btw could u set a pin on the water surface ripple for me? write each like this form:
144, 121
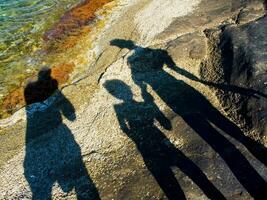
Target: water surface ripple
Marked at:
22, 24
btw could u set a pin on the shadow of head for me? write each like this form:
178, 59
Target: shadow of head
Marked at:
41, 89
44, 74
119, 90
128, 44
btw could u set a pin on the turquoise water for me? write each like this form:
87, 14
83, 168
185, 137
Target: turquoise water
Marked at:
22, 24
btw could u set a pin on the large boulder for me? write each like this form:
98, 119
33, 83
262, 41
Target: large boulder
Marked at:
238, 61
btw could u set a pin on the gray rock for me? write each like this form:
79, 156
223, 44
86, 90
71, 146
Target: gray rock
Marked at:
146, 126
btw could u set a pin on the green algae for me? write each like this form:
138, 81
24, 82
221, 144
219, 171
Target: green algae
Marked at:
22, 25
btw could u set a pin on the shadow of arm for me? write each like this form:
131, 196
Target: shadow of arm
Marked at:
160, 117
163, 120
236, 89
225, 87
67, 108
122, 122
171, 64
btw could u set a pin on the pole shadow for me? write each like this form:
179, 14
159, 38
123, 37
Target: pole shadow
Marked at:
136, 119
52, 154
146, 66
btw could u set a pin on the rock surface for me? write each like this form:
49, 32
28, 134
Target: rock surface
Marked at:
242, 52
151, 117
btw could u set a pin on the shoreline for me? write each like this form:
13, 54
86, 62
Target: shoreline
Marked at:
65, 35
85, 76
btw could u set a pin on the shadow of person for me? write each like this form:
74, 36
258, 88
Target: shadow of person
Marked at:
147, 68
136, 119
51, 154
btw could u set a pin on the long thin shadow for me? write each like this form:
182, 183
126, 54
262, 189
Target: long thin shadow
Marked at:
225, 87
147, 68
53, 157
136, 119
257, 149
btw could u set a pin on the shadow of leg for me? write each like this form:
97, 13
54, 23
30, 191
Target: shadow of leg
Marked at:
86, 190
257, 149
196, 175
166, 179
42, 191
79, 179
238, 164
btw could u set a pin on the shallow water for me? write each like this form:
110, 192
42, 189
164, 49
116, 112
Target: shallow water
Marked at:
22, 25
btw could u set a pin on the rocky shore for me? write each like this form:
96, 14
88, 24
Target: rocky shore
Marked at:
167, 100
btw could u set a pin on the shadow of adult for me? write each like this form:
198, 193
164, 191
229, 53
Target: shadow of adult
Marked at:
52, 155
136, 119
147, 68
